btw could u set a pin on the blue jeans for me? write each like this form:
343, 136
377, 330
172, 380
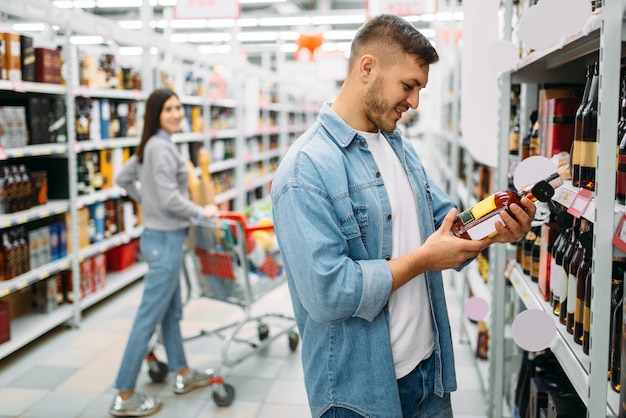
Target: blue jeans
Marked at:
160, 304
416, 396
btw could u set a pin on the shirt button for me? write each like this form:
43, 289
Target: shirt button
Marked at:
362, 143
387, 257
377, 174
389, 217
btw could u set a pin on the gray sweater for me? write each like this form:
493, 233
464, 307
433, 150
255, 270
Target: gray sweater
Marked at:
159, 184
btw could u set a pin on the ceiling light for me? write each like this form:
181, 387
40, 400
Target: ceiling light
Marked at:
257, 36
84, 4
130, 50
337, 20
339, 34
247, 22
63, 4
161, 24
188, 23
179, 38
28, 27
118, 3
259, 1
86, 40
212, 49
289, 35
167, 2
289, 47
130, 24
285, 21
209, 37
221, 23
154, 50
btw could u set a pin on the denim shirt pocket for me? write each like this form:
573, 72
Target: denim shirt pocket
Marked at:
354, 226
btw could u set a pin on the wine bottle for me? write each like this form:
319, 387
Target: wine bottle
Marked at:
588, 150
576, 145
555, 281
535, 253
527, 251
617, 293
582, 276
479, 221
526, 141
564, 264
565, 222
572, 279
587, 313
514, 137
620, 168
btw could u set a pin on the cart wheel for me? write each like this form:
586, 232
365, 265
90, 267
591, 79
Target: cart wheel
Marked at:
264, 331
294, 339
159, 373
226, 397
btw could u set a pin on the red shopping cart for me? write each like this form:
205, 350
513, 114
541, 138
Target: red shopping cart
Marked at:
236, 263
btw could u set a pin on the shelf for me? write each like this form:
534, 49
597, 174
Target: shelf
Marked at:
53, 207
100, 196
109, 243
82, 146
134, 95
20, 86
116, 281
33, 276
33, 151
574, 362
27, 328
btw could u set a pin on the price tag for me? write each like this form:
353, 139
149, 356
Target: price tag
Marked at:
619, 238
18, 86
580, 203
45, 275
508, 269
5, 291
3, 154
23, 284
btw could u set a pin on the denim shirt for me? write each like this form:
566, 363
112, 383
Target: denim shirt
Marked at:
332, 218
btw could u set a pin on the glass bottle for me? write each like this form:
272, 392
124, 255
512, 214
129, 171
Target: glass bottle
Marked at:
565, 222
584, 270
526, 141
527, 251
587, 313
514, 137
478, 221
617, 293
572, 280
535, 253
589, 136
575, 152
572, 245
554, 274
620, 184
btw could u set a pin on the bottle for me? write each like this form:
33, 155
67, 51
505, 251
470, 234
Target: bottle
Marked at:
554, 279
617, 293
534, 256
589, 136
582, 274
526, 141
587, 313
565, 222
535, 140
564, 265
620, 172
575, 152
527, 251
572, 281
514, 137
478, 221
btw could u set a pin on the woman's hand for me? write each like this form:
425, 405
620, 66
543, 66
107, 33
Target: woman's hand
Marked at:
210, 211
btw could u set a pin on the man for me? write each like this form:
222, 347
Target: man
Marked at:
364, 235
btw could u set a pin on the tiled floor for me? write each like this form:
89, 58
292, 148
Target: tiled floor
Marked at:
70, 372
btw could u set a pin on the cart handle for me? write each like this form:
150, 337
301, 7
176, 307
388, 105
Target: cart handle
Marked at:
239, 217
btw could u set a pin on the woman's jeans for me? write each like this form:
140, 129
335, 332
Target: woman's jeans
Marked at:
416, 396
160, 304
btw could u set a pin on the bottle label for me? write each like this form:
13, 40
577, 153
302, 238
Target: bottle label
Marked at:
484, 207
555, 278
572, 284
485, 228
588, 154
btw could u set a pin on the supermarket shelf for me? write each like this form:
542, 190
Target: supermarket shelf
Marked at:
114, 192
20, 86
33, 151
27, 328
107, 244
575, 363
53, 207
33, 276
82, 146
135, 95
116, 281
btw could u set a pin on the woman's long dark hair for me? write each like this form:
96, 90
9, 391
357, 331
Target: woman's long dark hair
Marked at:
152, 117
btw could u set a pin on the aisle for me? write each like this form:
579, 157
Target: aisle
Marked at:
70, 372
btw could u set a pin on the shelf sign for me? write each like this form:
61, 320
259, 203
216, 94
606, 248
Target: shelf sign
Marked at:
580, 203
402, 7
619, 239
207, 9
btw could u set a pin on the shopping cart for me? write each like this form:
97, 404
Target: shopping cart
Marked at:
226, 262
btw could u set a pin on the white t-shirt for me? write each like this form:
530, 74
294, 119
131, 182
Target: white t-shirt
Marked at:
410, 328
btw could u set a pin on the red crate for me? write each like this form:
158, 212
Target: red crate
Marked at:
122, 257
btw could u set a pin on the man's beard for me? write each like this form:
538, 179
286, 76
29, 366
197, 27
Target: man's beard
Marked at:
376, 107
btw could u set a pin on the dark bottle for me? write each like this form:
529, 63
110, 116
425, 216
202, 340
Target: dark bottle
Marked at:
620, 169
478, 221
565, 222
587, 314
527, 251
572, 245
514, 137
535, 253
576, 145
572, 278
554, 279
526, 141
617, 293
519, 250
584, 270
588, 148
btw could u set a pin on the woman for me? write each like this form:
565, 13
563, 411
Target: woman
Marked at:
156, 176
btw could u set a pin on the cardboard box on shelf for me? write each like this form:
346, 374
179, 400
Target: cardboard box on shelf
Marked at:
48, 66
122, 257
5, 322
12, 62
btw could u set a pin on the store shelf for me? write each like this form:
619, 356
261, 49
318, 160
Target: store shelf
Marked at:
33, 151
35, 275
109, 143
27, 328
118, 94
109, 243
116, 281
20, 86
53, 207
100, 196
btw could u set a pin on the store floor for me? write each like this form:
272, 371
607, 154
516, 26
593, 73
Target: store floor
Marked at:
70, 372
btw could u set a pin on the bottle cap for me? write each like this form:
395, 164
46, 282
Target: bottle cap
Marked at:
543, 191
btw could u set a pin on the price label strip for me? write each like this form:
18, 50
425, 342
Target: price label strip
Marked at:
580, 203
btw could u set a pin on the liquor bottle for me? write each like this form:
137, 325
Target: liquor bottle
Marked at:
478, 221
535, 253
589, 136
565, 222
576, 145
620, 169
549, 233
534, 116
617, 293
572, 245
572, 279
587, 313
583, 273
535, 140
514, 137
555, 281
527, 251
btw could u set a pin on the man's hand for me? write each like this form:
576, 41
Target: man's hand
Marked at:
515, 228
